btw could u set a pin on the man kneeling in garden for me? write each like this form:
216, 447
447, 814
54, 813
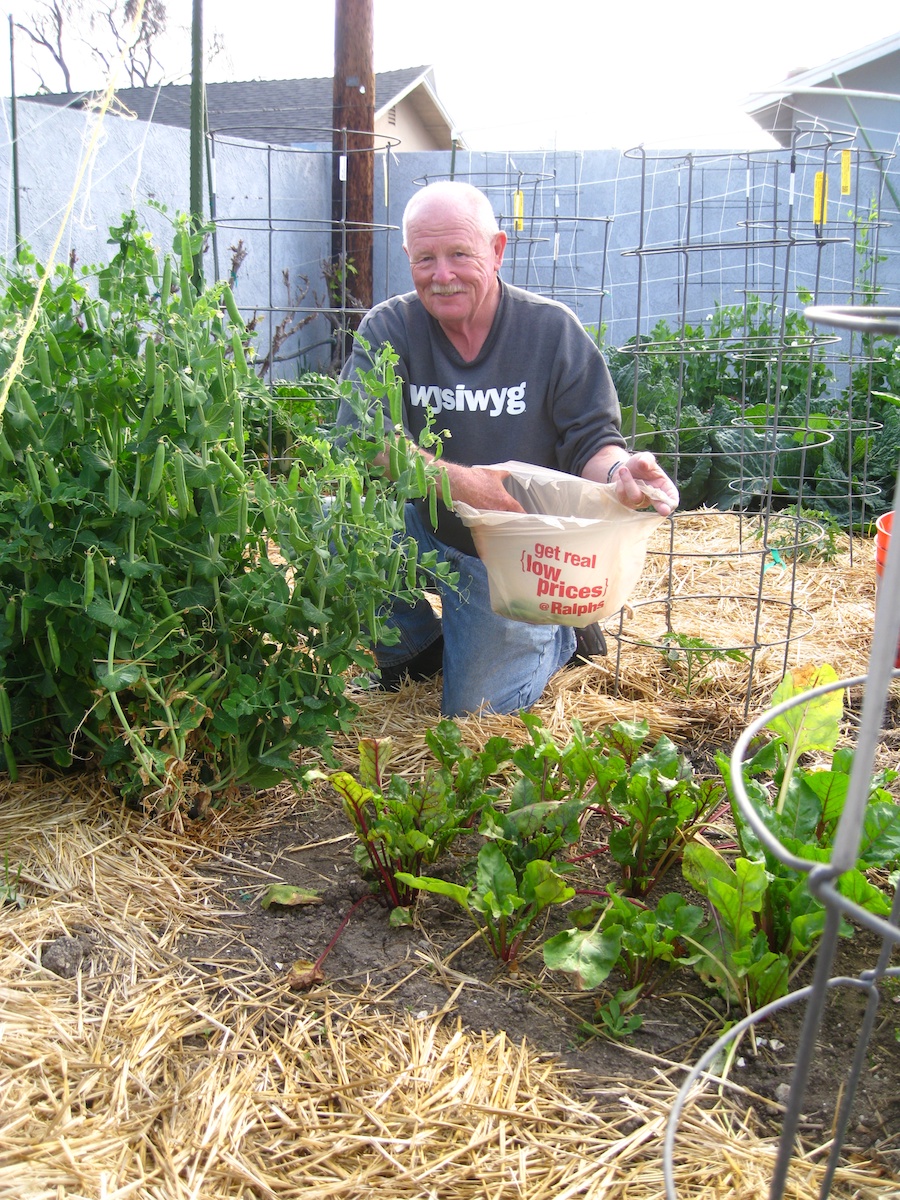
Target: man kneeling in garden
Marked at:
517, 378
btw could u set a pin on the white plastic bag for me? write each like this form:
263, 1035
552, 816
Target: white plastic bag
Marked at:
572, 558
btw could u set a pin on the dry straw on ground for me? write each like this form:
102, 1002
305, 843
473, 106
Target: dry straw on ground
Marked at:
137, 1074
142, 1076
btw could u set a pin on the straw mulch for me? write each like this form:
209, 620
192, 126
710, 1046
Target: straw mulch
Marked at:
127, 1071
144, 1076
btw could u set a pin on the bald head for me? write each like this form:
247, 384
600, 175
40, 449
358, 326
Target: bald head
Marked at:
453, 199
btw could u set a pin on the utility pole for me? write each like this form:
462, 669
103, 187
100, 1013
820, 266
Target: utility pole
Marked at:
353, 159
197, 134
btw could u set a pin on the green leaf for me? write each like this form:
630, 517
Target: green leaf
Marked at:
495, 890
542, 886
814, 725
440, 887
880, 843
124, 677
374, 756
587, 955
289, 895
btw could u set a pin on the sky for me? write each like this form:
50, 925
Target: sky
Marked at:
569, 75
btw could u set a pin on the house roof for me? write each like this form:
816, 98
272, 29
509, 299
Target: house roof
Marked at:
766, 106
281, 111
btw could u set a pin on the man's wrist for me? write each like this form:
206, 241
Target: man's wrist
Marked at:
620, 462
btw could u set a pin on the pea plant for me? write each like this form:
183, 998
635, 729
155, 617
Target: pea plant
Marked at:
172, 609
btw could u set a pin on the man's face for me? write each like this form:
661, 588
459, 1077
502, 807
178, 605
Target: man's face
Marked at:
454, 264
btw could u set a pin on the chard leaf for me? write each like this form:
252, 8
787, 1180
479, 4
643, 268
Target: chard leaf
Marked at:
288, 895
542, 886
439, 887
854, 886
587, 955
880, 844
814, 725
374, 756
495, 884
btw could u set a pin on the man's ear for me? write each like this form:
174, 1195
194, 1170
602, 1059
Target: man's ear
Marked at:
498, 244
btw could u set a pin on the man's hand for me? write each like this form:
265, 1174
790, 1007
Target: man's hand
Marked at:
628, 472
643, 468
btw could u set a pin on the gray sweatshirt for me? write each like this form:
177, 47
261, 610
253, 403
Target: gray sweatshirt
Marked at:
538, 392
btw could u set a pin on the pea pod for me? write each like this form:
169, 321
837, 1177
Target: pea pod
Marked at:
34, 477
156, 471
243, 515
53, 645
421, 479
238, 411
90, 577
6, 451
337, 534
372, 617
395, 397
146, 422
182, 496
5, 712
112, 489
26, 404
187, 289
10, 615
445, 489
356, 508
159, 394
394, 460
178, 402
394, 569
264, 496
53, 346
240, 358
50, 472
43, 359
165, 287
412, 562
234, 312
103, 569
78, 412
227, 462
432, 508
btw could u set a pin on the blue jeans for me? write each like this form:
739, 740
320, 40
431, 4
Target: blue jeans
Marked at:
490, 663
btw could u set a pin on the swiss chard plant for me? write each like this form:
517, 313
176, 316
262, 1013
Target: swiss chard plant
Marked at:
766, 921
505, 900
401, 826
658, 807
172, 609
642, 943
